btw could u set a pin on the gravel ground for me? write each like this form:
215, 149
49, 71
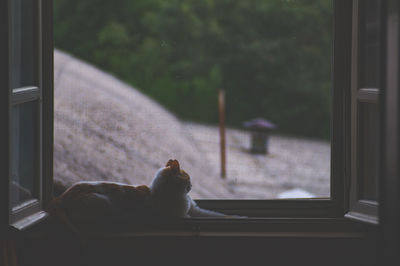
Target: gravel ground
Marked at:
291, 163
106, 130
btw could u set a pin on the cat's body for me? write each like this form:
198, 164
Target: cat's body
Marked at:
88, 203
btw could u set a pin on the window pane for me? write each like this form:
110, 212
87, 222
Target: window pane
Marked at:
271, 57
24, 152
24, 43
367, 151
370, 45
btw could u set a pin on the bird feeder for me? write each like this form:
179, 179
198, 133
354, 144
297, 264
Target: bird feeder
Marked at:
260, 130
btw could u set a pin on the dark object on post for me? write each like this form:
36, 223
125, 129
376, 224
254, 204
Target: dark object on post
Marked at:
260, 130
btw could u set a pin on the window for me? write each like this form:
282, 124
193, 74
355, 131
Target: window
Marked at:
334, 244
27, 115
26, 84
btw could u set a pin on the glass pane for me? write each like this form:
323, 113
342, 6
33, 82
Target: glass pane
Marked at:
24, 43
24, 153
370, 45
367, 151
272, 58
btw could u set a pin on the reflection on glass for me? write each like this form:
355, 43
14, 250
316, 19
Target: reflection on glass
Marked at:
24, 152
370, 44
24, 43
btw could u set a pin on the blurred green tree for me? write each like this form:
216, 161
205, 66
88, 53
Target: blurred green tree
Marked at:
271, 56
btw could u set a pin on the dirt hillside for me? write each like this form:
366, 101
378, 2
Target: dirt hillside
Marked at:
107, 130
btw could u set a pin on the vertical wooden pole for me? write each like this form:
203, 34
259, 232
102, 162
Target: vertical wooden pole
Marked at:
221, 108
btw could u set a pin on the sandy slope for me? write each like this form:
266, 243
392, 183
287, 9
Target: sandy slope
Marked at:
292, 163
107, 130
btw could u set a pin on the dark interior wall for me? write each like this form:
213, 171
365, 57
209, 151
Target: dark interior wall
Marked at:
198, 251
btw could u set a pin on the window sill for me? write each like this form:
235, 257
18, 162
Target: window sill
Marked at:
253, 227
236, 228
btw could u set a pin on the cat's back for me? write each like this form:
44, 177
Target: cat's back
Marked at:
113, 192
95, 201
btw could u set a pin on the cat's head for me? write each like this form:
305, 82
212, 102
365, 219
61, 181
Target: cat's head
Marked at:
171, 179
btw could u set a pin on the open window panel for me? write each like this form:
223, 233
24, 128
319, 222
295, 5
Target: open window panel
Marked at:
280, 70
26, 122
367, 83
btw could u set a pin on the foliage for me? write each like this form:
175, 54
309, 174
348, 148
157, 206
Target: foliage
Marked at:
271, 56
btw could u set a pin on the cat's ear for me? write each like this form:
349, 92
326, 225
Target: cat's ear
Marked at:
174, 165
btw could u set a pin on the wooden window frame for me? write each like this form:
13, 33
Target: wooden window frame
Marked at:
389, 212
362, 209
299, 217
32, 211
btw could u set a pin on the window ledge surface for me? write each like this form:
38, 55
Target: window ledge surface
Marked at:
245, 227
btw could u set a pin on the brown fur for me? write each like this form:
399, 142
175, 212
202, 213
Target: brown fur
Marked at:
127, 193
126, 197
174, 169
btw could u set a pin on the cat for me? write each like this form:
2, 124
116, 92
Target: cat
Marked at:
169, 194
87, 204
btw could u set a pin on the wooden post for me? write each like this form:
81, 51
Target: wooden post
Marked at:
221, 108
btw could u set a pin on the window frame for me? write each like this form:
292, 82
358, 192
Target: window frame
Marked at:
286, 215
363, 209
389, 190
5, 118
29, 212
